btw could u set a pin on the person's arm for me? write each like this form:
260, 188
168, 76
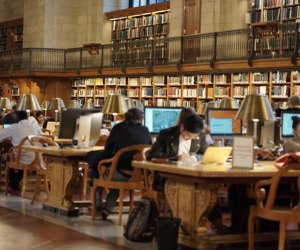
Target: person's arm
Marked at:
6, 133
159, 148
203, 144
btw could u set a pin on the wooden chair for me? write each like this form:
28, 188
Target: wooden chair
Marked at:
106, 174
14, 163
39, 140
265, 208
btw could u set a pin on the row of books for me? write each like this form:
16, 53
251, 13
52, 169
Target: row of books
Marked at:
291, 12
134, 92
224, 78
115, 81
271, 15
99, 103
189, 93
240, 78
137, 22
280, 77
191, 104
160, 91
222, 91
241, 91
262, 90
271, 3
297, 90
290, 2
174, 92
281, 90
99, 92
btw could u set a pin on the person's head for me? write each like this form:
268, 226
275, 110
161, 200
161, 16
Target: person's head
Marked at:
296, 125
191, 127
294, 101
21, 115
185, 112
134, 116
39, 116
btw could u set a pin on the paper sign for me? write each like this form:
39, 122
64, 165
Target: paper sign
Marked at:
243, 152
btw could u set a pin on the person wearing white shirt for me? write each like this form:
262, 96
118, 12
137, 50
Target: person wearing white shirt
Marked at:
16, 132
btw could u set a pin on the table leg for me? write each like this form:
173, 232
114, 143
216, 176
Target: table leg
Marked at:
192, 202
62, 174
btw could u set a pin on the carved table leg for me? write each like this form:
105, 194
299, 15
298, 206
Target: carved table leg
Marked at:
62, 173
191, 202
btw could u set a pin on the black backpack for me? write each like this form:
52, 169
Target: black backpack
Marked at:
141, 221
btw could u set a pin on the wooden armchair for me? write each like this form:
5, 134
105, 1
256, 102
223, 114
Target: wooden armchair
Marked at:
14, 163
106, 174
39, 140
265, 208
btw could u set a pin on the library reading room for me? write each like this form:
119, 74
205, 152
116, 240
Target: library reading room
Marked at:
207, 93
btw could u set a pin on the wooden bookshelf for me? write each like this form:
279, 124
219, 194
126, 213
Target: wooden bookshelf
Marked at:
191, 90
11, 35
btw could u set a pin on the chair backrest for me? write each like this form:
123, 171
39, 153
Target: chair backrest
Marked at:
274, 182
139, 155
41, 140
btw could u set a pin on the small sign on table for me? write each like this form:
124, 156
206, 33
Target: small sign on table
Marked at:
243, 152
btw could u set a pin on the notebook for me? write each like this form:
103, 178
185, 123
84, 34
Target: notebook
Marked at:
216, 155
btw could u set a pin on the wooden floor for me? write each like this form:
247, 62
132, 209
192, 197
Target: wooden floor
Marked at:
20, 231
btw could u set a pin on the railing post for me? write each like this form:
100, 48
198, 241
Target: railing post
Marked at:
65, 59
214, 57
29, 68
101, 60
251, 49
180, 54
295, 53
124, 63
80, 61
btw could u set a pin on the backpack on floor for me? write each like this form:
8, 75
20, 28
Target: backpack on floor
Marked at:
141, 221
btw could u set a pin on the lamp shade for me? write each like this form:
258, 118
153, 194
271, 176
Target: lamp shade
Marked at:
130, 103
115, 104
203, 107
5, 103
56, 104
229, 103
29, 102
73, 104
45, 105
256, 107
88, 104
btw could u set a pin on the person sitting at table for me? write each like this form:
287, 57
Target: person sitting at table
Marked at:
16, 132
126, 133
181, 142
293, 144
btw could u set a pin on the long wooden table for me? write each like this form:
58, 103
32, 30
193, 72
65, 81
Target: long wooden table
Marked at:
62, 171
191, 192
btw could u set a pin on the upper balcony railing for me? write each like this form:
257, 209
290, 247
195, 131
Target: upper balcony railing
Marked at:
246, 44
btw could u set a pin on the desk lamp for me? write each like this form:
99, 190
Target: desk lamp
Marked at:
29, 103
229, 103
256, 108
204, 106
56, 104
5, 104
73, 104
88, 104
45, 106
115, 105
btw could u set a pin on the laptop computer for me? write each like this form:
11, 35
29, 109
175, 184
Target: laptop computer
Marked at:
216, 155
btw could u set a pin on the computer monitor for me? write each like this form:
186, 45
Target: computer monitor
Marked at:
158, 118
89, 129
68, 121
223, 123
287, 122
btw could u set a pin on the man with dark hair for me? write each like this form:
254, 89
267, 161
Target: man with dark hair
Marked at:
177, 143
126, 133
16, 132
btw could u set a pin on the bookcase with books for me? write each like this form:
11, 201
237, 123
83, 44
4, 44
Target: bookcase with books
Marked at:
11, 35
136, 30
189, 90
